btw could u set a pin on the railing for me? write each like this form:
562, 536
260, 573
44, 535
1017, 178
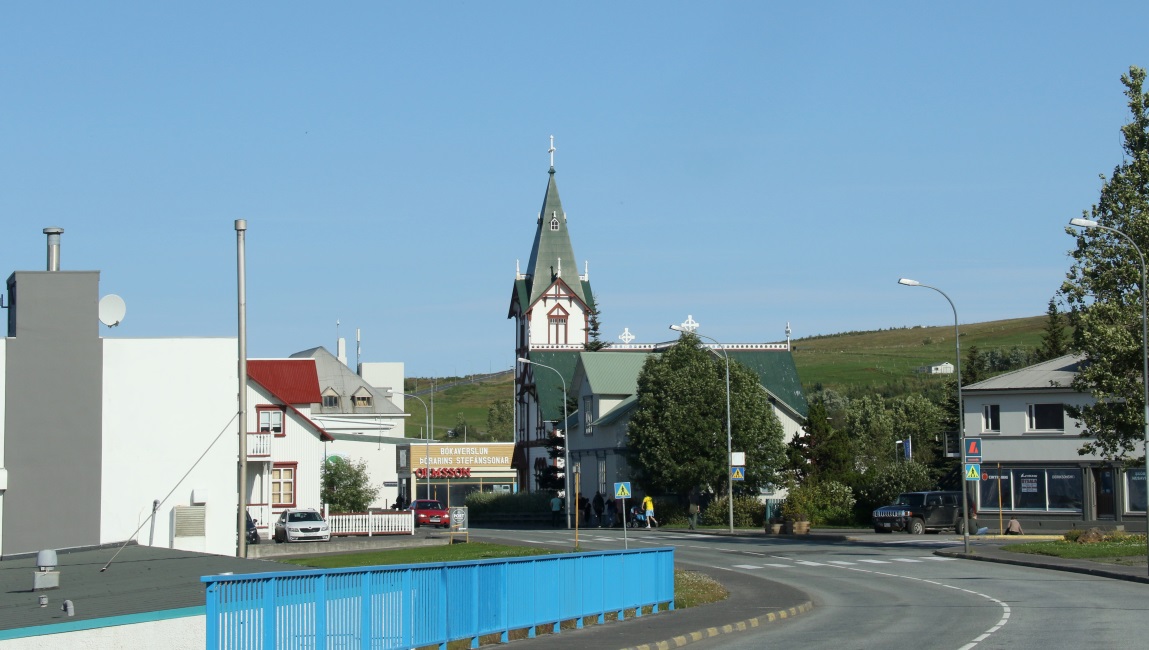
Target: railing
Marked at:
414, 605
258, 445
375, 523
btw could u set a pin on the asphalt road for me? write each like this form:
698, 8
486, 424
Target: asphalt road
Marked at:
878, 590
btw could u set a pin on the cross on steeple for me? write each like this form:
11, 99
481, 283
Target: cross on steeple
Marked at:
551, 151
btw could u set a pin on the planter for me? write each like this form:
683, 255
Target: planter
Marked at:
798, 527
774, 528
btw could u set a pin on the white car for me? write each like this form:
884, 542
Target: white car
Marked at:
301, 525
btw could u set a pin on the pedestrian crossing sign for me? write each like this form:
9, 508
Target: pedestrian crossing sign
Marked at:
622, 490
972, 472
737, 473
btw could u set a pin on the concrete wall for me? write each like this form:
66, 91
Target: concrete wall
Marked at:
1013, 443
166, 402
187, 633
52, 447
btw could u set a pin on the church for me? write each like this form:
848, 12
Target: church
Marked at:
562, 386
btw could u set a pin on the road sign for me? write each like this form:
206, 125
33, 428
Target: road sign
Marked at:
973, 447
737, 473
973, 459
972, 471
622, 490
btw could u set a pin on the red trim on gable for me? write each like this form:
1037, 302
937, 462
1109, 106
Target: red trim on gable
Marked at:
290, 374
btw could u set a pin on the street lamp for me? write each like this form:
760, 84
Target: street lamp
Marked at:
961, 415
1089, 223
729, 459
427, 449
566, 436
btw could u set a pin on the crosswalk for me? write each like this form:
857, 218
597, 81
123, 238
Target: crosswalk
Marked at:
793, 564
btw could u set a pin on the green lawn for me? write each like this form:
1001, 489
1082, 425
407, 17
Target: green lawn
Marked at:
420, 555
1130, 546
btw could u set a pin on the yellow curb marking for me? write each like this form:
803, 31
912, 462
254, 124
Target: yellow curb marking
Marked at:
770, 617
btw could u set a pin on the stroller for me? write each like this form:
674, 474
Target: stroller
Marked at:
637, 518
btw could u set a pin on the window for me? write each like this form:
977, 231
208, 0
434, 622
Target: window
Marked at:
283, 485
271, 420
1033, 488
587, 414
1135, 490
554, 222
1046, 417
557, 326
991, 417
602, 476
330, 399
361, 399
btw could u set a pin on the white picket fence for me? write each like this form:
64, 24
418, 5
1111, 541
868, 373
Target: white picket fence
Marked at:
399, 522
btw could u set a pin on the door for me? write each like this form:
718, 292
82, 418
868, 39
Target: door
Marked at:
1104, 479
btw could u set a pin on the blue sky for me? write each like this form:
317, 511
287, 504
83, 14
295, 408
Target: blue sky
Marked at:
750, 164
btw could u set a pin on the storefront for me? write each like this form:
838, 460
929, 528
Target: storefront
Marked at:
450, 471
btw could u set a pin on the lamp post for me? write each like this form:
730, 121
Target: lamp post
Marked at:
566, 436
961, 415
427, 448
729, 450
1089, 223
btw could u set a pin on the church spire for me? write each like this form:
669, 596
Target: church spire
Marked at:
552, 243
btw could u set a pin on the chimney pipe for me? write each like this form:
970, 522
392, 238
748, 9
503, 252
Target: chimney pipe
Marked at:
53, 247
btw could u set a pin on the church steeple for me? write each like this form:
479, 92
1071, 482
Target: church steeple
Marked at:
552, 246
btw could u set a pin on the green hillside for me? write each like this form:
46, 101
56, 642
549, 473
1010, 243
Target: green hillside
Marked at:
885, 361
855, 363
470, 396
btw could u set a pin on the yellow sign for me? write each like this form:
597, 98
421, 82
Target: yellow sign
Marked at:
972, 472
737, 473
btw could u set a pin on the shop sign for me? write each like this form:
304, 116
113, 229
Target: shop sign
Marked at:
444, 472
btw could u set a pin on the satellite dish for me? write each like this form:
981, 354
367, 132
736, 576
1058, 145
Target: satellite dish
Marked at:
112, 310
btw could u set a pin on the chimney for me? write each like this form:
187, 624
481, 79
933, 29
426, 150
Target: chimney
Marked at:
53, 247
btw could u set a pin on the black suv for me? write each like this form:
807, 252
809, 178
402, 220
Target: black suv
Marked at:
918, 512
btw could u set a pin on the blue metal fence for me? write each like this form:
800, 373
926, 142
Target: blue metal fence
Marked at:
414, 605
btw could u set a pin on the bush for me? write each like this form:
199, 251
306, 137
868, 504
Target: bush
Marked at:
490, 502
879, 487
749, 512
820, 502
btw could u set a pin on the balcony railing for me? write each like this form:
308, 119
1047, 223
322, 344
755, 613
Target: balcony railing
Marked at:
258, 446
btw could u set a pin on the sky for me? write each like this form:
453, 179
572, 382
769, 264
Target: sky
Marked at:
749, 164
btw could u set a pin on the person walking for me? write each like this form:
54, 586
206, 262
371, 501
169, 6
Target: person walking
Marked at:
611, 513
556, 510
648, 509
692, 511
598, 505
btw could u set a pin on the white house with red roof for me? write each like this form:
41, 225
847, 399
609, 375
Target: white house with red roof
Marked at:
296, 423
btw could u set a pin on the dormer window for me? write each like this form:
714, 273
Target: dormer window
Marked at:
554, 222
362, 399
330, 399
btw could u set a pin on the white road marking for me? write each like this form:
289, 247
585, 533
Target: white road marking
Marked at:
904, 559
840, 562
875, 561
746, 566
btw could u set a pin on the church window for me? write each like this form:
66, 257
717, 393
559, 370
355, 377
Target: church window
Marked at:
557, 326
554, 222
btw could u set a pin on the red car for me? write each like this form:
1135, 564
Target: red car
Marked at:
429, 512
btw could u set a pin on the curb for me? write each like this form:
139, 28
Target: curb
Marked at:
1098, 572
741, 626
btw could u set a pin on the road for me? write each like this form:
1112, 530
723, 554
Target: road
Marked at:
892, 590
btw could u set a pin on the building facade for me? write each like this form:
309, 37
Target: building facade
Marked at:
1030, 462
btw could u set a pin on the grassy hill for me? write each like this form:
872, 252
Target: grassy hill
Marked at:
884, 361
854, 363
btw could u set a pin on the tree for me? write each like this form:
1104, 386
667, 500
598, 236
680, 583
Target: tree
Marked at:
594, 324
347, 485
871, 431
501, 420
1103, 290
920, 420
973, 370
1053, 342
824, 450
677, 434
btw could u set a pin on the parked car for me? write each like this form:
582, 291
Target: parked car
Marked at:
429, 512
919, 512
301, 525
